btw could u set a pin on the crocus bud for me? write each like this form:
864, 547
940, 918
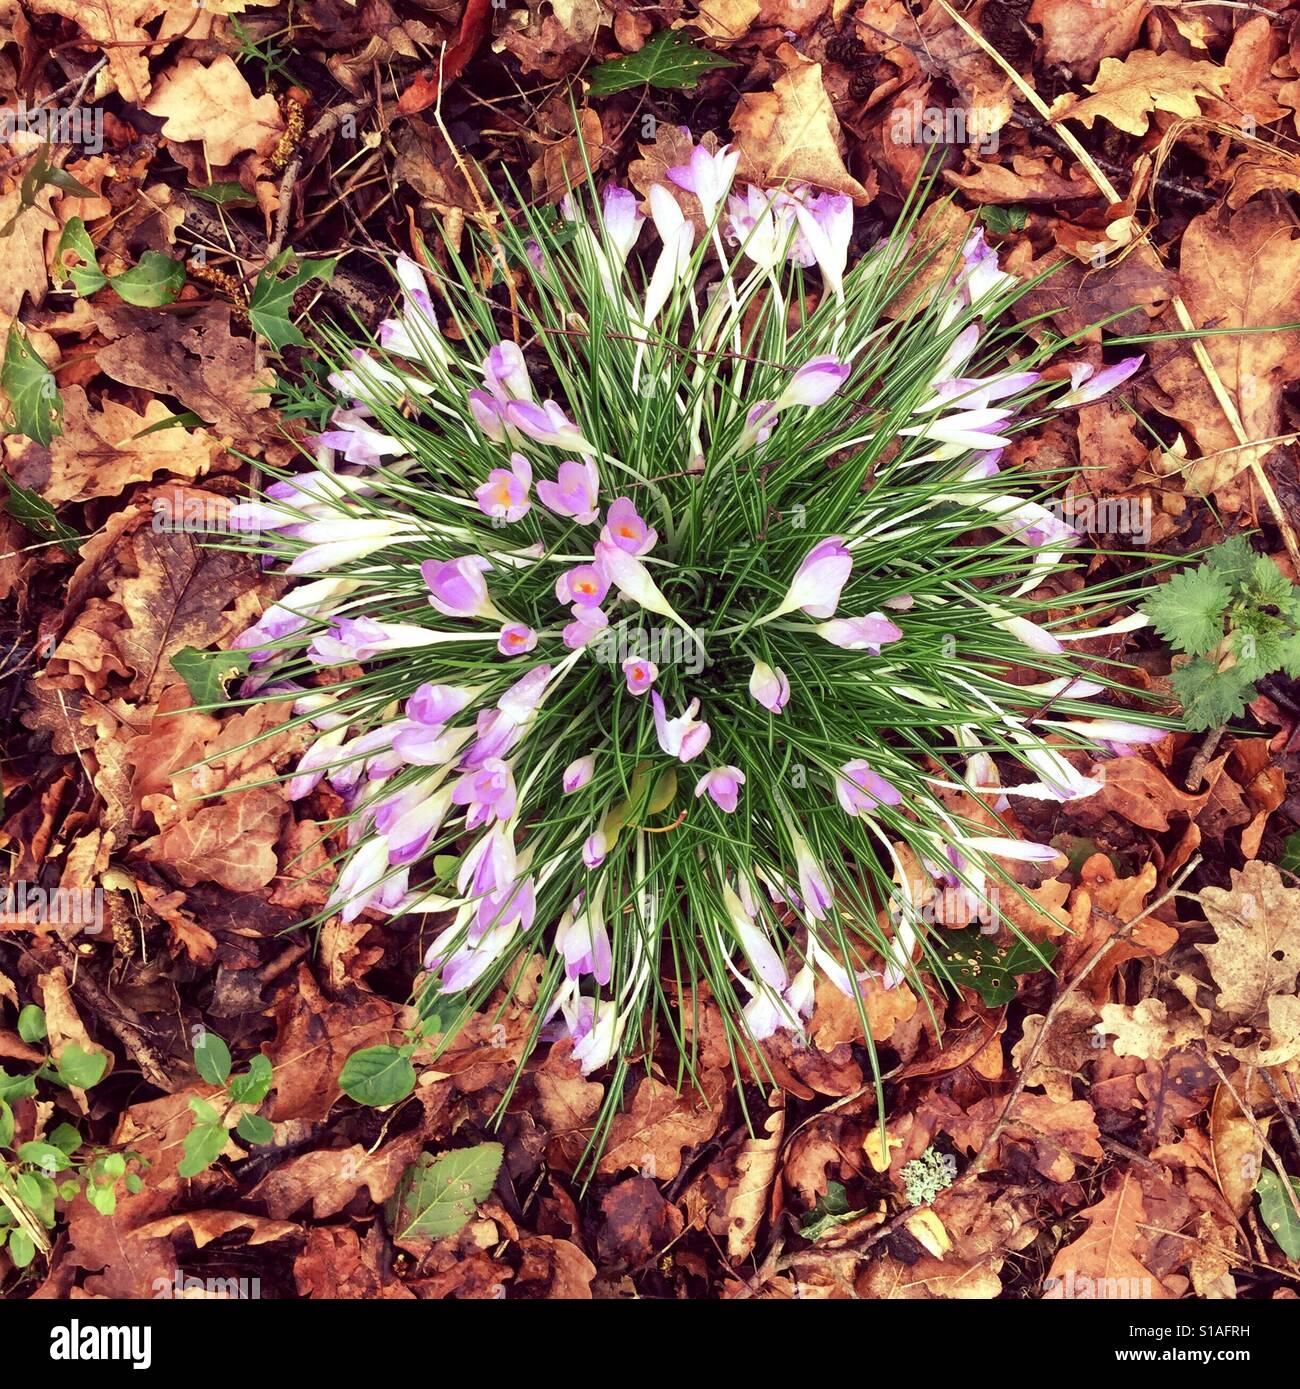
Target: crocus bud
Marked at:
770, 687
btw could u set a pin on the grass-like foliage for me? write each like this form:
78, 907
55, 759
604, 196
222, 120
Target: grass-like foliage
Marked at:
691, 605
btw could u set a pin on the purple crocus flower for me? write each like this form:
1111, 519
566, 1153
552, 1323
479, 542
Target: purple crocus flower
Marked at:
816, 586
708, 176
414, 334
362, 638
505, 373
488, 791
358, 440
770, 687
815, 382
313, 763
760, 420
588, 623
516, 639
488, 415
584, 586
436, 705
622, 219
640, 675
574, 491
859, 789
723, 787
457, 588
625, 529
505, 493
826, 221
867, 633
684, 737
583, 941
594, 849
814, 890
359, 882
547, 424
515, 904
578, 773
1088, 384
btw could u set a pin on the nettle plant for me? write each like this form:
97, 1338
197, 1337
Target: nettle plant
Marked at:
685, 604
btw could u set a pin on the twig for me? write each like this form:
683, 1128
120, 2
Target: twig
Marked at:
333, 117
1209, 746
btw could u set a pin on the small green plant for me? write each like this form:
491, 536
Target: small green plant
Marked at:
925, 1177
1237, 617
156, 280
206, 1141
38, 1174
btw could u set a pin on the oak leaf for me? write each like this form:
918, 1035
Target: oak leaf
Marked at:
791, 133
1126, 93
216, 105
1102, 1261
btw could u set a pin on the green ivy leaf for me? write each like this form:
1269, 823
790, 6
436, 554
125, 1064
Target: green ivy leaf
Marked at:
271, 302
988, 968
76, 256
33, 396
156, 280
81, 1069
207, 673
1277, 1211
831, 1211
1001, 220
436, 1197
212, 1058
16, 1087
377, 1076
36, 515
668, 60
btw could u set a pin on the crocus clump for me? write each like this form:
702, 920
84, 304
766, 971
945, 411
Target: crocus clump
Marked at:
692, 596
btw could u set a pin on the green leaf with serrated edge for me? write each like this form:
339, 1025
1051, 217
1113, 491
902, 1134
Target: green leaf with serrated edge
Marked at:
225, 194
271, 302
77, 260
36, 515
31, 1023
203, 1145
81, 1069
990, 969
155, 281
212, 1058
252, 1087
436, 1197
1188, 610
377, 1076
252, 1128
668, 60
33, 397
1209, 696
1231, 560
206, 673
1278, 1212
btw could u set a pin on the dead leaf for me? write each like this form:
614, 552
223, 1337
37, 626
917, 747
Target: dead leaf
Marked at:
216, 105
